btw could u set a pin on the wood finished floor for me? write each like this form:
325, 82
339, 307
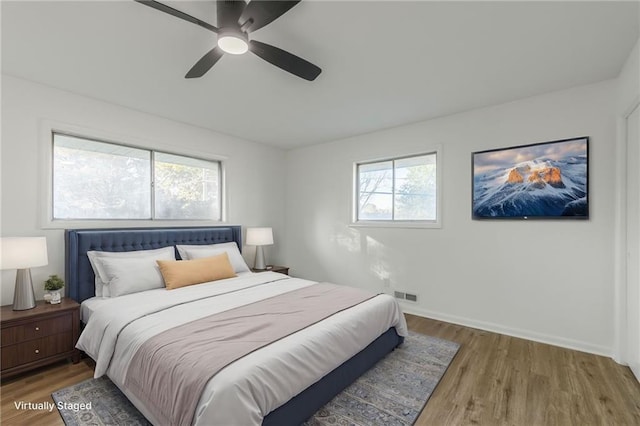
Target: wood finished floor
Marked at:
493, 380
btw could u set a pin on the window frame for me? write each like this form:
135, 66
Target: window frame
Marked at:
393, 223
46, 157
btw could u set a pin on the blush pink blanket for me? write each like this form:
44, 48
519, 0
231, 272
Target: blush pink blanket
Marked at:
170, 370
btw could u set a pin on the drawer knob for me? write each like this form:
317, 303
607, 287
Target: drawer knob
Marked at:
37, 328
37, 351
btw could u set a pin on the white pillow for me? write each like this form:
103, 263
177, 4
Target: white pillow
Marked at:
102, 280
198, 252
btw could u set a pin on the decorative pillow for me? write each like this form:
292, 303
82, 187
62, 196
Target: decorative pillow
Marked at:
182, 273
102, 281
198, 252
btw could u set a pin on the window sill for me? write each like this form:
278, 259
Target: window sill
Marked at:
396, 224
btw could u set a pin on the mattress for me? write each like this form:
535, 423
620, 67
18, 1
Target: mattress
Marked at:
89, 306
244, 392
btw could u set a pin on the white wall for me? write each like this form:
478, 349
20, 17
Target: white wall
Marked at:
543, 280
254, 172
548, 281
627, 302
628, 89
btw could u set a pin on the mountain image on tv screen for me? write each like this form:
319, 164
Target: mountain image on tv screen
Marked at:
547, 180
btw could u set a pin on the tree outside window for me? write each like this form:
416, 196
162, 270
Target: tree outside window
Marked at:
99, 180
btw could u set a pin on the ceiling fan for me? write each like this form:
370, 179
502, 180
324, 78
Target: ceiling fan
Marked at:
236, 20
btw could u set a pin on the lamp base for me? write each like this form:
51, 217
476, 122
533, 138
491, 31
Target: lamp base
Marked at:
23, 296
259, 263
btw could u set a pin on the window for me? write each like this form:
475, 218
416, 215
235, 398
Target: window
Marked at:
398, 190
105, 181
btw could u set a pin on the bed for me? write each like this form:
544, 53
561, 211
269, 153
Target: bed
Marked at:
289, 379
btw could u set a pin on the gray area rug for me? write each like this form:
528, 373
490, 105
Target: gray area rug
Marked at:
393, 392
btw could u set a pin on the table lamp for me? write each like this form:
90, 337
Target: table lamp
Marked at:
22, 253
259, 237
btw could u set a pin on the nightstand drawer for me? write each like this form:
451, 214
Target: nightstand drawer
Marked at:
34, 350
40, 336
37, 329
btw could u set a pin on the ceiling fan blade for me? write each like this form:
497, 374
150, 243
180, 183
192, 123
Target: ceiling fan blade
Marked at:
229, 12
175, 12
205, 63
285, 60
263, 12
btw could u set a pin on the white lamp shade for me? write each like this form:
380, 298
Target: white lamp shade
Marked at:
259, 236
23, 252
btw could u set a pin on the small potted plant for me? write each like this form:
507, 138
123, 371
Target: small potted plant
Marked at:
53, 286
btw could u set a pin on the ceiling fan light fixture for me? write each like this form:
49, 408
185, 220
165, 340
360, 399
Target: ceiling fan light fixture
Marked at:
236, 19
233, 43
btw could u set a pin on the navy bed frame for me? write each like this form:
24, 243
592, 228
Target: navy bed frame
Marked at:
79, 274
80, 286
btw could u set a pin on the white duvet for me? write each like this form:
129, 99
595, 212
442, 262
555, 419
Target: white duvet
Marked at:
244, 392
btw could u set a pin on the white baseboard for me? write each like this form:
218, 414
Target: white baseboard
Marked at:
509, 331
635, 369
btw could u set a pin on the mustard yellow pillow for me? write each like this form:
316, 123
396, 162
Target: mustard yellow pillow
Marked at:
181, 273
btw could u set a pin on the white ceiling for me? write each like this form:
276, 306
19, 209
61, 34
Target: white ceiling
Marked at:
384, 63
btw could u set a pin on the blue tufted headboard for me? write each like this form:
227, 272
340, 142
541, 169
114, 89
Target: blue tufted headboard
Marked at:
80, 280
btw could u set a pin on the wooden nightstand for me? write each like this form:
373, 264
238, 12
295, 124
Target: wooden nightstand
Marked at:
273, 268
38, 336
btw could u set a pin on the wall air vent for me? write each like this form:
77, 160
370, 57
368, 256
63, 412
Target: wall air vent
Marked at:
411, 297
405, 296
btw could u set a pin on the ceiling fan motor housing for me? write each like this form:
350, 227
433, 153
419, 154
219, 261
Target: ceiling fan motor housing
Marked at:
229, 12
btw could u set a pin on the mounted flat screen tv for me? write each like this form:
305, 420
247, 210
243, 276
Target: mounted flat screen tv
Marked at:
548, 180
